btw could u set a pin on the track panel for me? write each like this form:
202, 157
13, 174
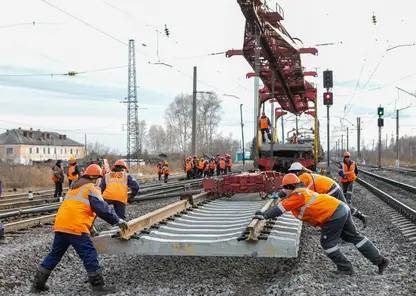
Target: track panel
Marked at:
212, 229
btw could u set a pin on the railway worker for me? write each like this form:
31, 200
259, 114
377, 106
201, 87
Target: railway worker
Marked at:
58, 178
159, 170
348, 174
222, 165
294, 139
195, 163
73, 171
332, 215
228, 163
212, 166
166, 172
115, 186
265, 124
218, 158
206, 169
188, 168
201, 165
323, 185
81, 205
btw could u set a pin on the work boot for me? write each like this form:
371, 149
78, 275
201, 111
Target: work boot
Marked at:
3, 240
97, 283
383, 265
344, 272
41, 276
362, 217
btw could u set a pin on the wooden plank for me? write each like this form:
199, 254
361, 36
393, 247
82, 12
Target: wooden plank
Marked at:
158, 215
257, 225
14, 226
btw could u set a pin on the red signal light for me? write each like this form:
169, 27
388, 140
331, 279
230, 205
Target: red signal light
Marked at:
328, 98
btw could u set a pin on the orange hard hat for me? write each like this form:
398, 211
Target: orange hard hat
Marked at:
93, 170
121, 163
347, 154
290, 179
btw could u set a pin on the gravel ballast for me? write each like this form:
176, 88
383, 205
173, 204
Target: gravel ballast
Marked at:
310, 274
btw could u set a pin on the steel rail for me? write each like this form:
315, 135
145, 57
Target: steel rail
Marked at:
401, 185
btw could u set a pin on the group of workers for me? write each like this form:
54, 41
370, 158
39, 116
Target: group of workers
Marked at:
163, 170
319, 201
88, 196
219, 165
313, 198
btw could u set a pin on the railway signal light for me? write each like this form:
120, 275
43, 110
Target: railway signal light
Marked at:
328, 79
380, 122
328, 99
380, 111
72, 73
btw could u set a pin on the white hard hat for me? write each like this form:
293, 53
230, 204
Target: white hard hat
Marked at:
296, 166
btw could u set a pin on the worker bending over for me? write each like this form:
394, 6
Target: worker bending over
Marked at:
81, 205
348, 174
115, 186
73, 171
332, 215
323, 185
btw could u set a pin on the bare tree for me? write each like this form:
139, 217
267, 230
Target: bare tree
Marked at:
141, 135
179, 120
157, 138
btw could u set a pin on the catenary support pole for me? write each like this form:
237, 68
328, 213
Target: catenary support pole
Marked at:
194, 93
327, 137
358, 138
272, 121
242, 135
283, 129
348, 137
256, 94
397, 138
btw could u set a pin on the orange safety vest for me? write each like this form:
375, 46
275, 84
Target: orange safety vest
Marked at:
71, 169
212, 164
159, 169
54, 178
222, 164
188, 166
116, 186
229, 163
206, 167
318, 183
310, 206
75, 215
201, 164
349, 172
264, 122
166, 170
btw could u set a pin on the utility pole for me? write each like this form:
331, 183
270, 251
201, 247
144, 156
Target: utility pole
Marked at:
242, 135
85, 147
358, 138
194, 93
397, 134
348, 131
272, 121
132, 107
342, 143
256, 93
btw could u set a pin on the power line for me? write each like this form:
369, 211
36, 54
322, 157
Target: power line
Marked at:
71, 73
33, 23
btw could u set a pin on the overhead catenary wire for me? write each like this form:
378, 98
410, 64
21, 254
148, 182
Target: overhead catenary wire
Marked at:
63, 74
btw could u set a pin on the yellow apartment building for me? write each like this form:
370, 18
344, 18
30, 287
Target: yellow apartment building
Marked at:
22, 146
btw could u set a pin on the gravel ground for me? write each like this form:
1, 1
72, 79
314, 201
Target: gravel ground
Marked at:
402, 195
396, 176
310, 274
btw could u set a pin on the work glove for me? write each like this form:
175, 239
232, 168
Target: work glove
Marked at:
259, 215
122, 224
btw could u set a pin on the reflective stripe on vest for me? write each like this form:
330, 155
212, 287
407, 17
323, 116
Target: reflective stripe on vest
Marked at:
349, 172
303, 209
75, 215
116, 186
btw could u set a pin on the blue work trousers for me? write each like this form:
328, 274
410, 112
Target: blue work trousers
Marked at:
119, 208
81, 243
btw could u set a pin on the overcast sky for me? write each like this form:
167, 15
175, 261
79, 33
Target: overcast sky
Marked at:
365, 73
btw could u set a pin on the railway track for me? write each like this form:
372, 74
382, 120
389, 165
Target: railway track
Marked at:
399, 196
403, 171
34, 215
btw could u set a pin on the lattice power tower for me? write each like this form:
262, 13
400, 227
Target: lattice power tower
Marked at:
132, 107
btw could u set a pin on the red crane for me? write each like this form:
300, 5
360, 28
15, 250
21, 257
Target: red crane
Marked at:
279, 53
